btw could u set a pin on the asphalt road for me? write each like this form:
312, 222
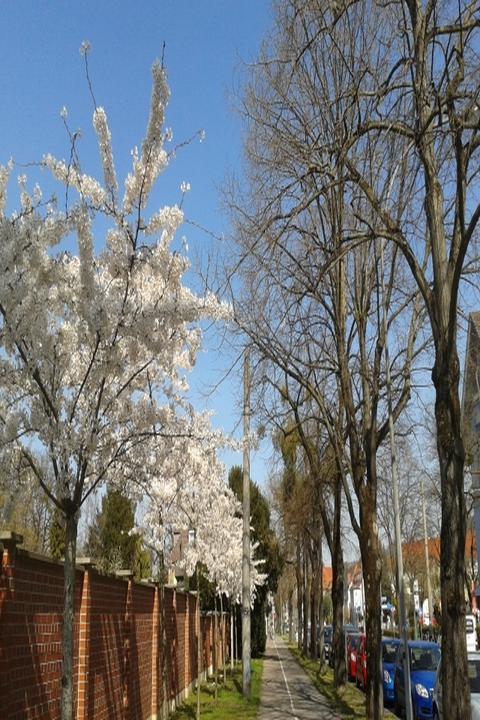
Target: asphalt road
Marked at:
287, 692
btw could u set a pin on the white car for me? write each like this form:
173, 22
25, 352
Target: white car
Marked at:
439, 713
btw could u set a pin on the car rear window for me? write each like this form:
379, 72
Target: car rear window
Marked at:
422, 658
389, 652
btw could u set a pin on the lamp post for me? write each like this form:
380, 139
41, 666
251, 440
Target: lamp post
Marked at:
246, 646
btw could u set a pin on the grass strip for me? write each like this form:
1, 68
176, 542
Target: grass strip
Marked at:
230, 704
348, 700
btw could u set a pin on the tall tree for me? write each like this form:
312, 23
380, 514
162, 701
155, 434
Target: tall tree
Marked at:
111, 540
415, 84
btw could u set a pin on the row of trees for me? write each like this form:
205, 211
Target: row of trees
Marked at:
355, 234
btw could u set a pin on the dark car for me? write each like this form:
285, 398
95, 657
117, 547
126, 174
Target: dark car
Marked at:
424, 658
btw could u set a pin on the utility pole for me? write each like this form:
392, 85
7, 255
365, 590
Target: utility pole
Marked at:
246, 649
396, 510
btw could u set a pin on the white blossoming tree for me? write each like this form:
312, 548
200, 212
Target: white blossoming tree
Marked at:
195, 496
94, 336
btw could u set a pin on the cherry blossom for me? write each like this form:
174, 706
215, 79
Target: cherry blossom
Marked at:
96, 337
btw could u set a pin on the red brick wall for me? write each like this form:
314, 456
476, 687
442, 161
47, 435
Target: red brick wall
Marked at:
192, 659
180, 617
117, 647
105, 663
31, 604
140, 675
173, 682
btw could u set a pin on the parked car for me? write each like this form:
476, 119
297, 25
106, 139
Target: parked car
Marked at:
347, 628
474, 678
424, 659
389, 653
362, 662
353, 642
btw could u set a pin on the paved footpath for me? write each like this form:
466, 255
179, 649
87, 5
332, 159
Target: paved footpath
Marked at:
287, 691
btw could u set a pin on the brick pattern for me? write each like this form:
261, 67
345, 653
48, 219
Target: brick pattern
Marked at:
118, 669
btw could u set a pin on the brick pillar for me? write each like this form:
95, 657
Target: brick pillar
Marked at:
9, 540
84, 639
156, 637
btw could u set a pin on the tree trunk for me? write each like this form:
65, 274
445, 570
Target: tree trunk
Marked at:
372, 575
71, 524
235, 633
338, 641
320, 620
232, 650
222, 638
290, 616
316, 563
338, 584
216, 648
313, 616
306, 603
199, 644
451, 454
299, 575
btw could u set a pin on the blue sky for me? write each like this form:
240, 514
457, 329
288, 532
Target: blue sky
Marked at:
206, 42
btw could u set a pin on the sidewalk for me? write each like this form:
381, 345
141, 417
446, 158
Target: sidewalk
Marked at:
287, 692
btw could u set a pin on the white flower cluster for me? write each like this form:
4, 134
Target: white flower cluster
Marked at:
105, 144
153, 159
95, 341
87, 187
167, 219
5, 171
188, 491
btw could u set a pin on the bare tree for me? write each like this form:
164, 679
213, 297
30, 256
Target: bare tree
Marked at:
424, 89
386, 79
321, 321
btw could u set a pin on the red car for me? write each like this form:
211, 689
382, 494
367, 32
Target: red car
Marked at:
353, 640
361, 676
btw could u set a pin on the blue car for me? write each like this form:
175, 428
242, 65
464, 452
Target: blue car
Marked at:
389, 653
424, 659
